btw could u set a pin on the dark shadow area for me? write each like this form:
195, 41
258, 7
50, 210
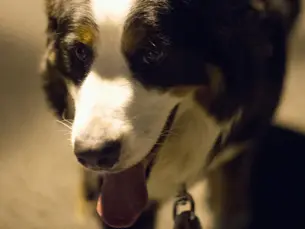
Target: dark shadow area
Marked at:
279, 181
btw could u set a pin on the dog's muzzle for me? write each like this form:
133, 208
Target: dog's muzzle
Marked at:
124, 195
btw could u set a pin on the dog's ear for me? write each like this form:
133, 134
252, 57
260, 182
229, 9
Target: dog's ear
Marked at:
287, 10
54, 88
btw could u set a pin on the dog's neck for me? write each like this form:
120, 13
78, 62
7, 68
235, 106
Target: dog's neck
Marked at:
192, 137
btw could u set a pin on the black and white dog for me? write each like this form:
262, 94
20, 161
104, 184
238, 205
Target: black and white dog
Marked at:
165, 93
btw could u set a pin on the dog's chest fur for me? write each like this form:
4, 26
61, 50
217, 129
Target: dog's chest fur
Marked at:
182, 158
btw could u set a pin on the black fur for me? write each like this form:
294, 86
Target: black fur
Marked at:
55, 89
170, 43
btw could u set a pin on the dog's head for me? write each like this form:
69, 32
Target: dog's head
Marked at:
119, 68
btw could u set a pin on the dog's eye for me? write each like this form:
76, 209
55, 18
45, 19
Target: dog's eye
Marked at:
153, 57
81, 58
83, 53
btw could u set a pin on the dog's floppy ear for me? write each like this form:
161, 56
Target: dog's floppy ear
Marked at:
288, 10
54, 88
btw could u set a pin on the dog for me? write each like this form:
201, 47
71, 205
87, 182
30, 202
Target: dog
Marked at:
166, 93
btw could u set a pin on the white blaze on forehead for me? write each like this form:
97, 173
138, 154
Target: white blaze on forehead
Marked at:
115, 92
111, 10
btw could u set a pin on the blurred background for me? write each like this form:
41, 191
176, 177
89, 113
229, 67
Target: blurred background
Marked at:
38, 172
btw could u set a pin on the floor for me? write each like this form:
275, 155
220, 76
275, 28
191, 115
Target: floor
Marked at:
34, 150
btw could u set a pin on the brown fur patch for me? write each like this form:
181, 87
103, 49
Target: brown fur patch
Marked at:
205, 95
216, 79
51, 57
85, 34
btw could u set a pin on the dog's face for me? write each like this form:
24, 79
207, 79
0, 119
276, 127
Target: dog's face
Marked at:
118, 68
112, 107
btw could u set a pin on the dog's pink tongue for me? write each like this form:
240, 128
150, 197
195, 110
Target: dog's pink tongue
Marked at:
124, 197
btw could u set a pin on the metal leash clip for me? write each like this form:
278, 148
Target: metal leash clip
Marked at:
186, 219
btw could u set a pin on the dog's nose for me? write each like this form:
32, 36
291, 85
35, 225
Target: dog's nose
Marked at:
103, 157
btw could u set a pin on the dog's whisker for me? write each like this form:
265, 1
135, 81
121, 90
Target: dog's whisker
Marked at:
64, 124
66, 120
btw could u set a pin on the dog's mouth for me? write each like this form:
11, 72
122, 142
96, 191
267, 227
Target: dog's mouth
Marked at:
124, 195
